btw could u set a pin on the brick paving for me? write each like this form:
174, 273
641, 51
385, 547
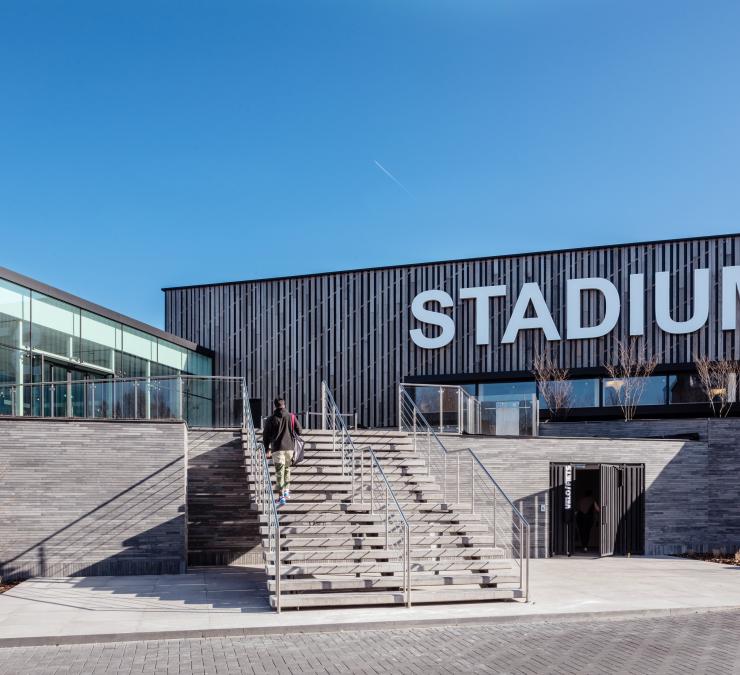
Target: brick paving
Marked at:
703, 643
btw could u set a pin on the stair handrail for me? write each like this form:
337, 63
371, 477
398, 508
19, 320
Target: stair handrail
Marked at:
395, 518
333, 420
264, 498
484, 491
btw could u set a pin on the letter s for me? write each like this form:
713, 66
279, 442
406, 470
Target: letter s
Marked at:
425, 315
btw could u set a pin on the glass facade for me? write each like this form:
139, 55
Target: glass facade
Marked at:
596, 392
57, 359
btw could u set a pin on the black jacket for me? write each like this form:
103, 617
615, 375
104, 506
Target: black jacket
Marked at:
277, 434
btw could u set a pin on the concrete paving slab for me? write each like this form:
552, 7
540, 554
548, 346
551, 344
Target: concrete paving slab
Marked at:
209, 602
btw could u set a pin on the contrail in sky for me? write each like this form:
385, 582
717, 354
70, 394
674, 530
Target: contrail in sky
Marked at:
392, 177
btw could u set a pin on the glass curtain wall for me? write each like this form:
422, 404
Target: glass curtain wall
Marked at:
60, 360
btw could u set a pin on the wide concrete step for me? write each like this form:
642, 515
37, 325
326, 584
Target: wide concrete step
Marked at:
359, 529
370, 583
378, 539
323, 517
375, 567
299, 556
306, 600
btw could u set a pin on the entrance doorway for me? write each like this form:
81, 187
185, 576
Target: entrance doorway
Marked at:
597, 509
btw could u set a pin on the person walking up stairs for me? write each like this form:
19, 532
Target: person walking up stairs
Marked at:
278, 438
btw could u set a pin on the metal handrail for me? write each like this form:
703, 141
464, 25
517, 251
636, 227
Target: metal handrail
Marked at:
413, 421
264, 497
332, 414
388, 497
375, 483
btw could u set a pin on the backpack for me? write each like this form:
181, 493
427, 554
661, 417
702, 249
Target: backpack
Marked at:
298, 443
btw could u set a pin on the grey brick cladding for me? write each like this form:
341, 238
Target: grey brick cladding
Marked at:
91, 498
692, 488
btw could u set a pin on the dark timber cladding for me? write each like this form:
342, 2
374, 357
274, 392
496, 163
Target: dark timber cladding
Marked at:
352, 328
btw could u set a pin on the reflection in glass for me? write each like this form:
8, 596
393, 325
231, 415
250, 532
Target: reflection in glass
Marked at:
685, 388
638, 390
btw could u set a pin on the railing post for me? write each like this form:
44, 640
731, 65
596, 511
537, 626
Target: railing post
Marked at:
407, 546
444, 481
460, 416
244, 403
414, 428
362, 474
429, 452
472, 486
386, 517
441, 411
400, 407
323, 405
277, 567
372, 487
458, 478
494, 518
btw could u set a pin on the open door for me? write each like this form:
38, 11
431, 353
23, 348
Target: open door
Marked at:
610, 475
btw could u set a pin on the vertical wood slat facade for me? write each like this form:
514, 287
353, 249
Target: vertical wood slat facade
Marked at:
352, 328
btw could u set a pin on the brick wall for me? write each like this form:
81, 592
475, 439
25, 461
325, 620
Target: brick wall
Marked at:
91, 498
692, 495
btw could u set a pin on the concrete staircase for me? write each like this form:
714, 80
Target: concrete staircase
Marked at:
222, 525
333, 551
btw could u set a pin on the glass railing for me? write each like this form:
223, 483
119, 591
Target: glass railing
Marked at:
201, 401
448, 407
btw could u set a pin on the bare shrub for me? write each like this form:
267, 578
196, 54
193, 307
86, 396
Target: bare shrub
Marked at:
718, 382
629, 375
554, 386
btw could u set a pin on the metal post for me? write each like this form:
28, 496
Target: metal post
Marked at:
408, 565
460, 417
400, 408
181, 397
244, 403
414, 428
323, 405
386, 517
441, 411
362, 474
429, 452
444, 481
372, 487
494, 518
277, 567
458, 478
472, 486
526, 595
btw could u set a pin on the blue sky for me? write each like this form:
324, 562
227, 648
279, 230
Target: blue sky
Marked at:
137, 137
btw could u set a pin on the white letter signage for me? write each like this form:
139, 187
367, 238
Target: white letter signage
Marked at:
542, 319
701, 303
482, 296
425, 315
575, 288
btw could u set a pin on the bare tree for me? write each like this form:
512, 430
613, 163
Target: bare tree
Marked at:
718, 382
629, 375
553, 383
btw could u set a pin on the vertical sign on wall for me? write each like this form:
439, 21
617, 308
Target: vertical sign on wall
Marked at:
568, 505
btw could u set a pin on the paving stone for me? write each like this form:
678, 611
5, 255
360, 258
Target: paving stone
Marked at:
699, 643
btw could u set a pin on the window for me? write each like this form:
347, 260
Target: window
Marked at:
507, 391
639, 390
55, 326
583, 394
685, 388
